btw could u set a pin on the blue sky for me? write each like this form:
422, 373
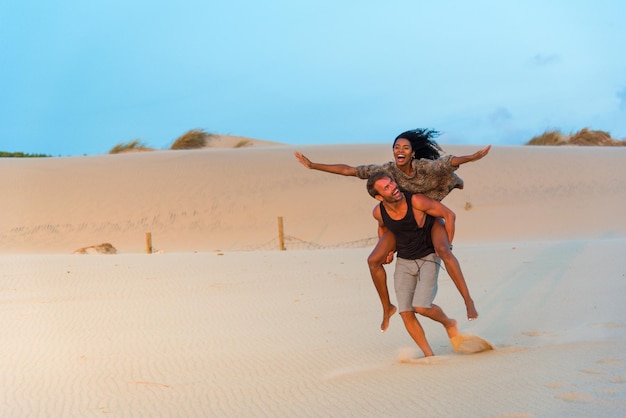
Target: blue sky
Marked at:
78, 77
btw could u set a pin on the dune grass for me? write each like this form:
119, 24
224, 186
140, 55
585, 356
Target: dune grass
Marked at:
130, 146
584, 137
589, 138
198, 138
243, 143
193, 139
548, 138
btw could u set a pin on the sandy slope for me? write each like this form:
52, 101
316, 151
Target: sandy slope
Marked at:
295, 334
230, 199
195, 332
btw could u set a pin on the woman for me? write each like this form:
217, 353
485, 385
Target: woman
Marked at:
417, 168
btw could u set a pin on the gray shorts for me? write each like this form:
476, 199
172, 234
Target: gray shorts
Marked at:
415, 282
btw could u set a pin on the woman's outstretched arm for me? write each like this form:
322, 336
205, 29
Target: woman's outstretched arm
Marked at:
457, 161
343, 169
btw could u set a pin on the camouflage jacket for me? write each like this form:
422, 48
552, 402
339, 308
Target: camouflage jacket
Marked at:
433, 178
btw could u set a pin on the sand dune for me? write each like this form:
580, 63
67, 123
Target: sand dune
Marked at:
252, 331
230, 199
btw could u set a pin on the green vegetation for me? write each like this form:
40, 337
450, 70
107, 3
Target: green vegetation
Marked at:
584, 137
4, 154
193, 139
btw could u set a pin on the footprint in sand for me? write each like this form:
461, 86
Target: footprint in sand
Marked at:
608, 325
611, 361
534, 333
610, 392
619, 379
583, 397
592, 371
411, 355
428, 361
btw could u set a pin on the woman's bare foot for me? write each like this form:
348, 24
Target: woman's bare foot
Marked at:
472, 313
451, 328
386, 315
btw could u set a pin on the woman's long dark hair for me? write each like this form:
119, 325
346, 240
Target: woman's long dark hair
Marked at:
423, 143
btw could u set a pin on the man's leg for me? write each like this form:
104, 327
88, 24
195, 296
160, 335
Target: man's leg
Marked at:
442, 248
375, 261
416, 332
437, 314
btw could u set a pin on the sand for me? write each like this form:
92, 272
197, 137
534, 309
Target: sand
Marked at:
218, 322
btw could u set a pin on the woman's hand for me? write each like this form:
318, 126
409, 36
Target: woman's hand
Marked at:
343, 169
479, 154
457, 161
303, 160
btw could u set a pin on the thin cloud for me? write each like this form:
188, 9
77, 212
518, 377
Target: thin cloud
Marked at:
621, 95
500, 116
543, 60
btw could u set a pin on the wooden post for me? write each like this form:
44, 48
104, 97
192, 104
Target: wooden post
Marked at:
149, 242
281, 236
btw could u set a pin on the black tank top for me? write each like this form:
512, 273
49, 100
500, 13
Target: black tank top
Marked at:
412, 242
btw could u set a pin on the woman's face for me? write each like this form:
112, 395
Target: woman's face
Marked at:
402, 152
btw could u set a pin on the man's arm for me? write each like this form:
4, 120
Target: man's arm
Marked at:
434, 208
343, 169
457, 161
381, 225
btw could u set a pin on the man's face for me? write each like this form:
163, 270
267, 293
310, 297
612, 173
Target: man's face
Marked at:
388, 190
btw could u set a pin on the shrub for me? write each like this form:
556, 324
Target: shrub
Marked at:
584, 137
4, 154
587, 137
193, 139
548, 138
243, 143
134, 145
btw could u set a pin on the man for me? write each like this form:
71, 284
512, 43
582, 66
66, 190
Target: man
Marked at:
410, 217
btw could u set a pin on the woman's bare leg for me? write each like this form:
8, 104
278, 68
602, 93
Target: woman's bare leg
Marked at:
442, 248
375, 261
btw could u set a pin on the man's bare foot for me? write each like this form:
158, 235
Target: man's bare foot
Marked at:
451, 328
386, 315
472, 313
